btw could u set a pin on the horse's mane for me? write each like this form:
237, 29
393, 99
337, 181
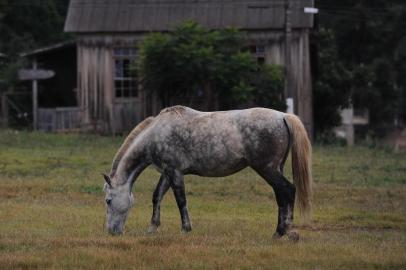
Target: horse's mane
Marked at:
177, 109
127, 142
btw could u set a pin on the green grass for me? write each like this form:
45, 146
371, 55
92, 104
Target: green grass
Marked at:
52, 212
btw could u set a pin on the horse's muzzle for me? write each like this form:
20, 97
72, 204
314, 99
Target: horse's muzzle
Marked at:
115, 230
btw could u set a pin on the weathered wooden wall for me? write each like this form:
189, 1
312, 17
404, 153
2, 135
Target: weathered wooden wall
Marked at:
102, 24
95, 84
126, 115
300, 73
302, 79
101, 111
59, 119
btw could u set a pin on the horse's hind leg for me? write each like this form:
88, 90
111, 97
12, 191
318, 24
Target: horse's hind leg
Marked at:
178, 186
160, 190
285, 198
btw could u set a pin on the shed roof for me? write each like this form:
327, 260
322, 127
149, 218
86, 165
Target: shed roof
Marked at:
53, 47
93, 16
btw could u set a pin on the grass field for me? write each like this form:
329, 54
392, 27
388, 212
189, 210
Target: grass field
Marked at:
52, 212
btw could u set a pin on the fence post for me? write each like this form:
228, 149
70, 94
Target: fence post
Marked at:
4, 110
35, 98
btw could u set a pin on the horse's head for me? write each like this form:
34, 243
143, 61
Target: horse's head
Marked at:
119, 200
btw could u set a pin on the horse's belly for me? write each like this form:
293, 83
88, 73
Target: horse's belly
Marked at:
212, 169
223, 162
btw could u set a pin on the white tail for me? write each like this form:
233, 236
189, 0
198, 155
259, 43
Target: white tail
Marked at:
301, 164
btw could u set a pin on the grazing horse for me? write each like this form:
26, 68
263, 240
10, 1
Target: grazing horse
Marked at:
182, 141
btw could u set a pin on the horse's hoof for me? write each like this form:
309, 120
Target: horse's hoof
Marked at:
152, 229
293, 236
290, 235
276, 236
186, 229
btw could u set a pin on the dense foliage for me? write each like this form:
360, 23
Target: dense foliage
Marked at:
198, 65
368, 44
332, 87
26, 25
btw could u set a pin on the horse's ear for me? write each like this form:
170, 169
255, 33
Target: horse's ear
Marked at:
107, 179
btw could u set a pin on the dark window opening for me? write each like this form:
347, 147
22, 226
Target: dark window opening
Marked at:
125, 77
258, 53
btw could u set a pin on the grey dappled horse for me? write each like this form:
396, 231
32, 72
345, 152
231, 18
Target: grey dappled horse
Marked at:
183, 141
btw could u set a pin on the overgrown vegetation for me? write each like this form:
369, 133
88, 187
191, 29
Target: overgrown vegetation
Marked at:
332, 87
362, 62
26, 25
196, 66
52, 212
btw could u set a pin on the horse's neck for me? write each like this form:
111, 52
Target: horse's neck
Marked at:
131, 166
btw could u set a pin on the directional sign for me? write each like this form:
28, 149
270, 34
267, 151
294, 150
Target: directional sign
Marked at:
311, 10
35, 74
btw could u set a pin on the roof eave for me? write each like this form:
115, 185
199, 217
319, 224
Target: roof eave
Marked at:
48, 48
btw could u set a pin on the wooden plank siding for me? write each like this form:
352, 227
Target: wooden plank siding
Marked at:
300, 72
59, 119
101, 111
102, 25
95, 83
126, 115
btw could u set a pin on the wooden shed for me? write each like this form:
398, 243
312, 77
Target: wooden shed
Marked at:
107, 32
54, 101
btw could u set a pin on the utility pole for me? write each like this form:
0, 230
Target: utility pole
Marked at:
289, 91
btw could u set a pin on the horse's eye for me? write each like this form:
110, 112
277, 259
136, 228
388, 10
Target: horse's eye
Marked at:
108, 201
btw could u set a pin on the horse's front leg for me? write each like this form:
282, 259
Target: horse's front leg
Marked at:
160, 190
178, 186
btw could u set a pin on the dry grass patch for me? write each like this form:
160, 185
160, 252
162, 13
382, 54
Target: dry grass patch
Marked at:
52, 213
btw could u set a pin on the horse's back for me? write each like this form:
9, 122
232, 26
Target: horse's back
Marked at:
252, 116
218, 143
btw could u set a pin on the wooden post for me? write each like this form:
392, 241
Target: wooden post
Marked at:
4, 108
349, 126
34, 98
289, 92
34, 75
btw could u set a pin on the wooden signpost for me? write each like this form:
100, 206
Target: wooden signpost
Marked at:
34, 75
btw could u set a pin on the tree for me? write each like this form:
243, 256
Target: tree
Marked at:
26, 25
369, 40
332, 89
268, 84
200, 65
400, 67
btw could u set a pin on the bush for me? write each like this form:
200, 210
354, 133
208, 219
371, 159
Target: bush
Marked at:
207, 68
